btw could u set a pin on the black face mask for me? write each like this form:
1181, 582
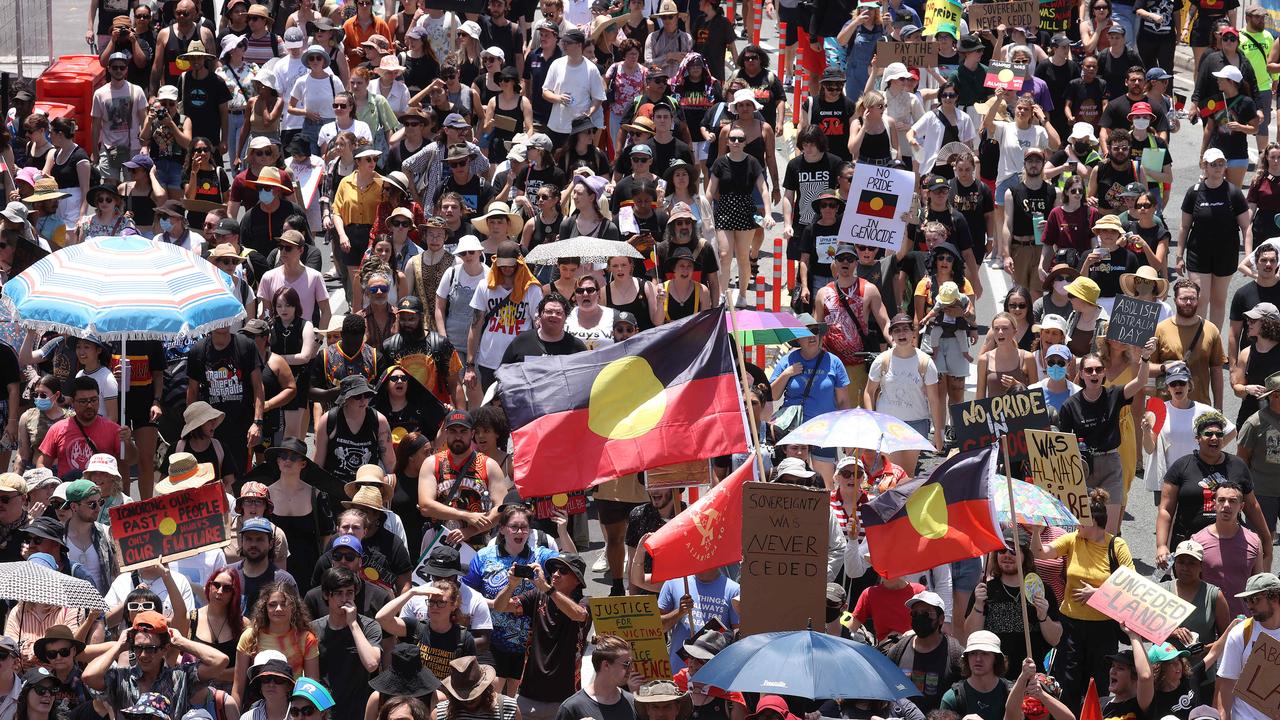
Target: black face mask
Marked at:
923, 625
833, 614
1081, 149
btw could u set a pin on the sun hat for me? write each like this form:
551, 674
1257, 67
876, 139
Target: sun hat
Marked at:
705, 645
36, 478
46, 528
661, 691
1085, 289
896, 71
231, 41
378, 42
314, 50
54, 634
1108, 222
794, 467
103, 463
271, 668
1082, 131
152, 704
389, 65
369, 498
352, 386
370, 476
47, 189
468, 679
405, 676
443, 561
745, 95
269, 176
1064, 270
985, 641
195, 51
185, 472
497, 208
398, 180
1146, 272
468, 243
313, 691
198, 413
253, 490
948, 293
571, 562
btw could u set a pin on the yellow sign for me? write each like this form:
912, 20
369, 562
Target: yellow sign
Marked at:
941, 12
635, 618
1055, 464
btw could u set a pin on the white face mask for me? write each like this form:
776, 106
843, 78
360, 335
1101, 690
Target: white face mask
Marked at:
1141, 123
1060, 287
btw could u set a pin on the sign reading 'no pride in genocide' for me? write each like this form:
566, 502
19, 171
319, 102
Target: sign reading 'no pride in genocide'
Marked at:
784, 557
1259, 683
635, 618
1148, 609
1133, 321
982, 422
989, 16
912, 54
878, 196
1055, 464
170, 527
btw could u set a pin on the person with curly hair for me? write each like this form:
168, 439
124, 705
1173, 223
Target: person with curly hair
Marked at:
403, 708
279, 621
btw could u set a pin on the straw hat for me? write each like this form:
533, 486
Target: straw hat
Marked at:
270, 177
195, 51
369, 498
184, 473
515, 222
225, 250
1108, 222
197, 414
370, 476
1146, 272
45, 189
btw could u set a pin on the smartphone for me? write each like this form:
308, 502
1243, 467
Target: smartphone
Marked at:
524, 571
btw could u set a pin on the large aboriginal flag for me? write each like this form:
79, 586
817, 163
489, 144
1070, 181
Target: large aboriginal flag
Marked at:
941, 518
665, 396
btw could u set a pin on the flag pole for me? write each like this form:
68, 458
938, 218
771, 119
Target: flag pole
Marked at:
746, 392
689, 618
1017, 546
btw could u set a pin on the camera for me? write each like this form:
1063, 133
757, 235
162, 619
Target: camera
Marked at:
523, 571
160, 113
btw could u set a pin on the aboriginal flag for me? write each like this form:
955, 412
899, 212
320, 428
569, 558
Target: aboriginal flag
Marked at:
878, 204
665, 396
933, 520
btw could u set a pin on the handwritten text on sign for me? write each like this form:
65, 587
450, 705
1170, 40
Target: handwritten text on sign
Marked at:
938, 13
172, 526
784, 556
1148, 609
1019, 13
635, 619
878, 197
1054, 463
911, 54
1133, 321
1259, 683
1001, 74
982, 422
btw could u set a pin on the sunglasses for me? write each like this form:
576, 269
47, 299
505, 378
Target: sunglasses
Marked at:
826, 205
340, 106
736, 139
144, 649
295, 711
274, 680
1213, 434
400, 223
949, 95
1016, 306
749, 58
1056, 362
1144, 206
377, 289
457, 163
587, 290
261, 153
412, 123
60, 652
44, 690
1176, 383
346, 556
140, 606
467, 253
221, 587
290, 457
640, 158
398, 378
436, 602
1092, 370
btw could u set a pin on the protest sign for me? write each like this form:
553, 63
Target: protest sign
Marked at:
911, 54
1259, 683
941, 12
679, 475
635, 618
1054, 463
784, 557
878, 196
1148, 609
1007, 75
1133, 321
1057, 15
170, 527
573, 503
1019, 13
982, 422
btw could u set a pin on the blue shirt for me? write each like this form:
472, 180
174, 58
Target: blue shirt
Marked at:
488, 575
828, 374
710, 600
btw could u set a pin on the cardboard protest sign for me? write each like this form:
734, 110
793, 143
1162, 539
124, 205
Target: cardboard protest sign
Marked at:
1148, 609
941, 12
1057, 15
1007, 75
784, 557
989, 16
878, 196
982, 422
635, 618
1055, 464
911, 54
1259, 683
1133, 321
170, 527
574, 503
679, 475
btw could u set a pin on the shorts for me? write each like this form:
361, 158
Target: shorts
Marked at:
1108, 475
168, 172
1006, 184
1201, 34
137, 411
827, 455
509, 665
358, 235
1264, 104
1218, 262
1242, 163
609, 512
921, 426
949, 358
965, 574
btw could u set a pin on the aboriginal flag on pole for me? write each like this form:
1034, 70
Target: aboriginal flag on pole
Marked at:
878, 204
941, 518
665, 396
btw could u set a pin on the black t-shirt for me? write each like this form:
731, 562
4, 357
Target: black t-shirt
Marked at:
1177, 702
527, 344
530, 180
737, 176
224, 376
10, 372
1058, 78
1107, 271
1114, 69
705, 261
955, 223
807, 180
1116, 115
881, 273
1096, 422
1003, 616
1235, 145
1086, 99
535, 76
663, 155
507, 37
973, 202
1247, 298
1123, 709
555, 641
385, 560
581, 706
200, 101
369, 599
1195, 481
643, 519
439, 649
340, 668
476, 193
1213, 216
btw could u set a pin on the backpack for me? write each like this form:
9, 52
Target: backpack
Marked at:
961, 689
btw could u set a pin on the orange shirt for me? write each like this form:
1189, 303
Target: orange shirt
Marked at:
353, 35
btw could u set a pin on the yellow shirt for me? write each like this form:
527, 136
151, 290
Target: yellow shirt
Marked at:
1087, 564
356, 207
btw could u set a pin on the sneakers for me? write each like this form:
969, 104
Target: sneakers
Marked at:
601, 564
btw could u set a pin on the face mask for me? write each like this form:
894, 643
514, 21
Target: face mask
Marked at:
1056, 372
166, 224
1141, 123
265, 196
923, 625
1060, 287
43, 404
1081, 149
833, 614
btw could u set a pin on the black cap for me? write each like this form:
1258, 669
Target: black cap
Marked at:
411, 303
934, 181
443, 561
572, 562
24, 96
47, 528
227, 226
626, 316
833, 74
574, 36
1124, 657
680, 252
458, 417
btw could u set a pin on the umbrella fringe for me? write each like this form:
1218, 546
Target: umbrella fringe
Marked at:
42, 326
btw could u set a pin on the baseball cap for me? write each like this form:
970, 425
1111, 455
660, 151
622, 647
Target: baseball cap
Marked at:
1165, 652
82, 489
1191, 548
1229, 72
257, 524
836, 594
928, 597
1157, 73
1059, 350
1263, 311
227, 226
933, 182
1213, 154
1178, 372
1262, 582
151, 620
347, 541
293, 38
309, 689
458, 417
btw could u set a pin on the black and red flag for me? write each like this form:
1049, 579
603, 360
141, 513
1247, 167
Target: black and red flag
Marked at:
664, 396
878, 204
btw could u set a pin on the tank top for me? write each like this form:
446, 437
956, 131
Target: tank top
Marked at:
544, 232
65, 172
638, 307
875, 148
755, 149
419, 71
848, 341
995, 388
143, 208
1027, 201
261, 50
207, 455
465, 487
270, 388
175, 47
337, 365
348, 449
716, 709
673, 309
36, 160
500, 135
1256, 371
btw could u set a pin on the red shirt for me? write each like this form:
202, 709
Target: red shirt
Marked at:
69, 447
682, 681
886, 609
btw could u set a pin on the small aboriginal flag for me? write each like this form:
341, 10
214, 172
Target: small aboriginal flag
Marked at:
878, 204
1212, 107
1005, 75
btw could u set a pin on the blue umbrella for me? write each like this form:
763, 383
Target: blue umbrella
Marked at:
807, 664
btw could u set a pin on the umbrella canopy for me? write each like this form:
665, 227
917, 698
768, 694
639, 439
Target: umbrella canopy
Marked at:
587, 249
858, 428
806, 664
30, 582
124, 288
1036, 506
756, 327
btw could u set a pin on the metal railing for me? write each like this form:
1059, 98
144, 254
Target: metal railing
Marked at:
26, 37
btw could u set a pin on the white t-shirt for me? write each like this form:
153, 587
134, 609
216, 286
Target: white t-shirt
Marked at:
288, 70
1234, 656
108, 388
193, 241
1013, 143
595, 337
330, 131
123, 585
316, 94
456, 274
902, 390
581, 82
441, 32
472, 604
120, 114
502, 326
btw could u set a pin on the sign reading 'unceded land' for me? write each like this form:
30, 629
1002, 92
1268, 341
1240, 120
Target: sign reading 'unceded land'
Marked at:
1148, 609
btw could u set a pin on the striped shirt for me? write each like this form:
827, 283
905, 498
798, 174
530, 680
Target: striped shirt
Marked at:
506, 711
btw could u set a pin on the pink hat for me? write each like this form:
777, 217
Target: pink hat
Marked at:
29, 175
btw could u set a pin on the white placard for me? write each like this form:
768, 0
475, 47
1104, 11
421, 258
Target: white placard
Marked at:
878, 196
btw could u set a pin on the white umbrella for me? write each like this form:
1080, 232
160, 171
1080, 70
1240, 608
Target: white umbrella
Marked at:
587, 249
26, 581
